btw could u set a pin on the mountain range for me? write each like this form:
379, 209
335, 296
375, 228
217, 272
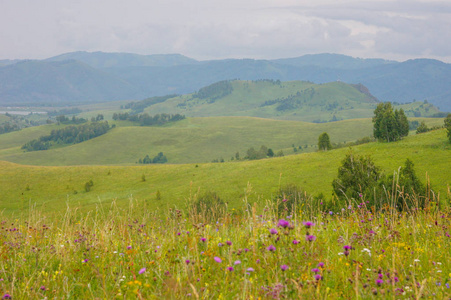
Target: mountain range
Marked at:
84, 77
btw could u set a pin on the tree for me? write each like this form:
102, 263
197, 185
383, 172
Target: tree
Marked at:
270, 153
356, 176
448, 126
324, 142
422, 128
389, 125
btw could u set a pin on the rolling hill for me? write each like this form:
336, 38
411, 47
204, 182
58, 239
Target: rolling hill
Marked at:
54, 188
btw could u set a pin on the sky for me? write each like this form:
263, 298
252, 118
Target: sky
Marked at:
218, 29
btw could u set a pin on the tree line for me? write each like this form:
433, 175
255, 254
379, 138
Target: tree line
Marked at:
68, 135
147, 120
160, 158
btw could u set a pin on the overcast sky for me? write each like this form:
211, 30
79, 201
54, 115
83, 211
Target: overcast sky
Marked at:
217, 29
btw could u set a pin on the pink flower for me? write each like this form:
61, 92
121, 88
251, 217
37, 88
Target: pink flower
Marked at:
142, 270
217, 259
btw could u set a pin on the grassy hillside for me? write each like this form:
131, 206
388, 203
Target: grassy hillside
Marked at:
294, 100
193, 140
54, 187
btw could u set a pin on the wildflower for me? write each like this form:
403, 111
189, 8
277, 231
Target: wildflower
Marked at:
257, 261
187, 261
295, 242
318, 277
203, 239
271, 248
331, 213
217, 259
142, 270
380, 276
308, 224
310, 238
230, 269
220, 244
7, 296
284, 267
43, 288
283, 223
229, 243
321, 265
129, 247
273, 231
346, 252
237, 262
178, 233
250, 270
315, 270
347, 247
284, 200
379, 282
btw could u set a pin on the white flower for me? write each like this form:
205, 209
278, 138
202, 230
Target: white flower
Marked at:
416, 260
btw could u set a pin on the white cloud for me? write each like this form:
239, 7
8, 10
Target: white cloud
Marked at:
209, 29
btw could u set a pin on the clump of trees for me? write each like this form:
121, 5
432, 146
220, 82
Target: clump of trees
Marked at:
139, 106
160, 158
215, 91
148, 120
389, 125
68, 135
74, 120
359, 179
7, 127
263, 152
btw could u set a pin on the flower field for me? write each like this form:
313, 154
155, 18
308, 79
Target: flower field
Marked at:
254, 253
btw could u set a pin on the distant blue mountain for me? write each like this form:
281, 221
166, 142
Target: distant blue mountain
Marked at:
87, 77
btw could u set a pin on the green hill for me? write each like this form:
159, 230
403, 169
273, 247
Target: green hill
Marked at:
56, 187
293, 100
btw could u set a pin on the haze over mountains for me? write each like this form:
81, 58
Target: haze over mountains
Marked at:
83, 77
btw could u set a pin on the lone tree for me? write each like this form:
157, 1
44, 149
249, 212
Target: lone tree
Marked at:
357, 175
448, 126
324, 142
389, 125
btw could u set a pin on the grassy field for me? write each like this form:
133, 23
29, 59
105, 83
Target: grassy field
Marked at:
253, 253
194, 140
54, 187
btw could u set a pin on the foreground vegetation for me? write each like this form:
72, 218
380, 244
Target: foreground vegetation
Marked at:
253, 252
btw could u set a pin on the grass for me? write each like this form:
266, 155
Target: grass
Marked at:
320, 102
128, 253
51, 188
194, 140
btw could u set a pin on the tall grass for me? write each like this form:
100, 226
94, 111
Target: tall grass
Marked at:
249, 253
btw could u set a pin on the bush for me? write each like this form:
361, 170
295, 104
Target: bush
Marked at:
208, 206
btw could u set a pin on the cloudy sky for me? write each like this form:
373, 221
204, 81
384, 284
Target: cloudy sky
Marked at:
216, 29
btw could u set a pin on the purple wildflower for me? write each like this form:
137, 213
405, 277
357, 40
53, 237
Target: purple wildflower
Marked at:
295, 242
273, 231
308, 224
187, 261
315, 270
43, 288
203, 239
347, 247
379, 282
230, 269
310, 238
217, 259
250, 270
237, 262
271, 248
284, 267
142, 270
318, 277
7, 296
283, 223
129, 247
229, 243
220, 244
321, 265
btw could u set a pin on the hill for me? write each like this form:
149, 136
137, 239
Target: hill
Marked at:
108, 60
192, 140
56, 83
54, 188
120, 76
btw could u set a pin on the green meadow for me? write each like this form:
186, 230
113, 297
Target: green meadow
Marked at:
55, 187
